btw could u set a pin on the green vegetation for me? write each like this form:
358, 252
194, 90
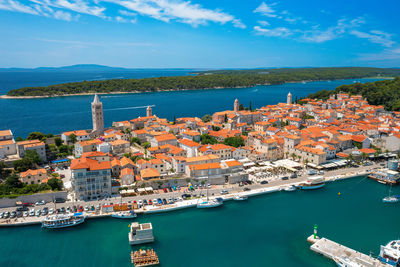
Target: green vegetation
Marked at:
386, 93
207, 139
13, 187
29, 161
206, 118
235, 141
55, 184
218, 79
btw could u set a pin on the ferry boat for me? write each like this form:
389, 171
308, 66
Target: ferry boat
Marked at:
346, 262
62, 221
290, 188
313, 183
210, 203
125, 215
240, 197
390, 254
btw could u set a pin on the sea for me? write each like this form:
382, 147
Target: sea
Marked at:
267, 230
59, 114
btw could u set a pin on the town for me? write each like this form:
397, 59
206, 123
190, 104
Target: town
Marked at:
271, 145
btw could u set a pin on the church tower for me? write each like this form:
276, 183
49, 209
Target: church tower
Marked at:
97, 116
149, 111
236, 106
289, 98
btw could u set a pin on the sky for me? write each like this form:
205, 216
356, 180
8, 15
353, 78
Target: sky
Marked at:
199, 33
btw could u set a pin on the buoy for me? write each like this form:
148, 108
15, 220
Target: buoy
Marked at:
339, 193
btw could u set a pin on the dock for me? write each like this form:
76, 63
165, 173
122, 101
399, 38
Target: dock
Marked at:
331, 250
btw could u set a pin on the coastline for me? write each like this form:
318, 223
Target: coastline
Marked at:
168, 90
193, 202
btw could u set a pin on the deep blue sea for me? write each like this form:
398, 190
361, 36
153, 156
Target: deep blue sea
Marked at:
59, 114
265, 231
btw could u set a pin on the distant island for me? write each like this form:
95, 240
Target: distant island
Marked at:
205, 80
385, 93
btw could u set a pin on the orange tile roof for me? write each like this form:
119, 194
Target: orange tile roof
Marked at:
77, 133
5, 132
126, 161
165, 137
33, 172
149, 173
91, 164
367, 150
206, 166
189, 143
233, 163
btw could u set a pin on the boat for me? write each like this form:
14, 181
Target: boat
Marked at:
210, 203
125, 215
390, 254
390, 198
313, 183
240, 197
140, 233
290, 188
346, 262
385, 176
63, 220
144, 257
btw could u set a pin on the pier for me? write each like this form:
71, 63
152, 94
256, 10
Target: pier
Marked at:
331, 250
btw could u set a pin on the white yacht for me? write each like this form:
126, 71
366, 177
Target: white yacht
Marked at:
240, 197
125, 215
346, 262
390, 254
313, 183
210, 203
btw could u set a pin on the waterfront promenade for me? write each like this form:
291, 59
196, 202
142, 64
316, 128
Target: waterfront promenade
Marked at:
255, 189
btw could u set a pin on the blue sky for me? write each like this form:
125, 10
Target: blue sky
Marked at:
199, 33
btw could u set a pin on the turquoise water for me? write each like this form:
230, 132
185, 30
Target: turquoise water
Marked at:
268, 230
59, 114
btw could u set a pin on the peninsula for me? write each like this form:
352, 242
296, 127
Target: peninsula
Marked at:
204, 80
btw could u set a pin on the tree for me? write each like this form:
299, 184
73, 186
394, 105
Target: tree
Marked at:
206, 118
30, 161
215, 128
134, 140
36, 135
293, 155
55, 184
4, 172
250, 106
72, 138
13, 181
235, 141
146, 145
58, 141
207, 139
225, 118
19, 138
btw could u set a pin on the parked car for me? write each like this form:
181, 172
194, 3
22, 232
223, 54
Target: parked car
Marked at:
32, 212
23, 208
60, 200
38, 212
264, 182
68, 209
51, 211
13, 214
39, 203
155, 201
321, 172
62, 210
224, 192
246, 189
294, 175
159, 201
92, 208
165, 190
164, 201
44, 212
26, 214
285, 178
86, 208
19, 214
150, 202
27, 204
144, 202
1, 214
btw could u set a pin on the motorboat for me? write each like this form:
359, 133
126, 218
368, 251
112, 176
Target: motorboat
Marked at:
313, 183
346, 262
290, 188
63, 220
125, 215
390, 254
240, 197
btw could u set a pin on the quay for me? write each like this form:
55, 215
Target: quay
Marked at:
185, 203
332, 250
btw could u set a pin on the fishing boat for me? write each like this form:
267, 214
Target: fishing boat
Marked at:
210, 203
63, 220
125, 215
346, 262
390, 198
144, 257
390, 254
290, 188
313, 183
240, 197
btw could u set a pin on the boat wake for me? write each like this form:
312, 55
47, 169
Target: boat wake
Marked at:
135, 107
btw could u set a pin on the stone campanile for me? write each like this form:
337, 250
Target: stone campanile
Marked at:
97, 115
289, 98
149, 111
236, 105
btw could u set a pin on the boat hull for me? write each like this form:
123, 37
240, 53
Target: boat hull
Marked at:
387, 261
309, 187
63, 225
208, 205
240, 198
123, 216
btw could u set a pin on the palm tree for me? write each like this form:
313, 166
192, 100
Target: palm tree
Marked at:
287, 154
306, 162
363, 156
293, 155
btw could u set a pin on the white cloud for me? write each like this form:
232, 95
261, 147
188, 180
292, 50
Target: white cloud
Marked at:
17, 6
238, 24
62, 15
275, 32
266, 10
263, 23
79, 6
375, 36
